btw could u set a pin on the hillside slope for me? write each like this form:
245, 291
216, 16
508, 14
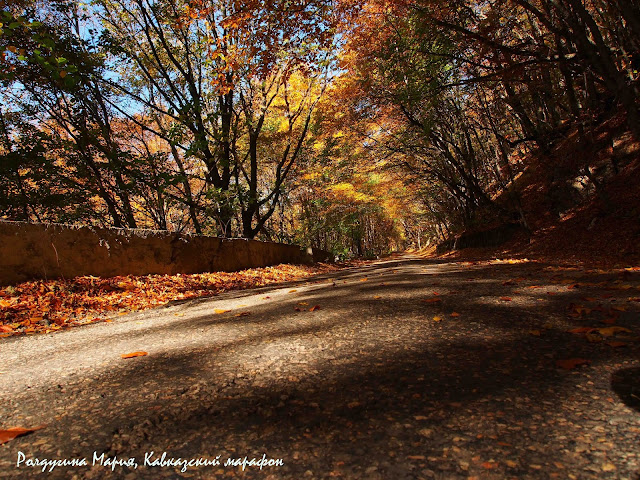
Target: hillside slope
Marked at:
582, 202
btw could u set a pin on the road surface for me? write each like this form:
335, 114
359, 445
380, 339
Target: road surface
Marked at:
407, 368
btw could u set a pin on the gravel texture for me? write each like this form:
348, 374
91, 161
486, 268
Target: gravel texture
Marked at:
380, 382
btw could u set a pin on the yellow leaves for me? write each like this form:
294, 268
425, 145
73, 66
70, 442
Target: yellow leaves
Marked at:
437, 319
126, 286
13, 432
608, 467
284, 125
134, 354
242, 314
347, 192
219, 311
318, 147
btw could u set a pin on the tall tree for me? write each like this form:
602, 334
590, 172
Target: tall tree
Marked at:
216, 69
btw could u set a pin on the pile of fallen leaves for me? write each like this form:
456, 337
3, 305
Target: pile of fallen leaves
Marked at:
48, 306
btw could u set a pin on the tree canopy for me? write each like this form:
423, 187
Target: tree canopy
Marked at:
357, 126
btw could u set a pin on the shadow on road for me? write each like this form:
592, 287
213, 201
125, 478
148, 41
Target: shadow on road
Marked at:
374, 388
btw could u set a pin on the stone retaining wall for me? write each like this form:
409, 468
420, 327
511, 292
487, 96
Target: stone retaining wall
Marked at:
45, 251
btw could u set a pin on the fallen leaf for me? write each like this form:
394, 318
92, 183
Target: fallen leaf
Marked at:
13, 432
6, 328
572, 363
220, 310
242, 314
582, 330
293, 290
134, 354
535, 333
432, 300
579, 310
591, 338
437, 319
610, 331
314, 308
377, 297
416, 457
505, 299
455, 314
489, 465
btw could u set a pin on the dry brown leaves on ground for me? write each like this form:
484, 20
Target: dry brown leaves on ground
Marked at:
47, 306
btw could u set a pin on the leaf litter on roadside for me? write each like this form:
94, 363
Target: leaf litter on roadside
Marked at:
52, 305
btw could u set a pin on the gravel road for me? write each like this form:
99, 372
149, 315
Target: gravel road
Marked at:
405, 369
